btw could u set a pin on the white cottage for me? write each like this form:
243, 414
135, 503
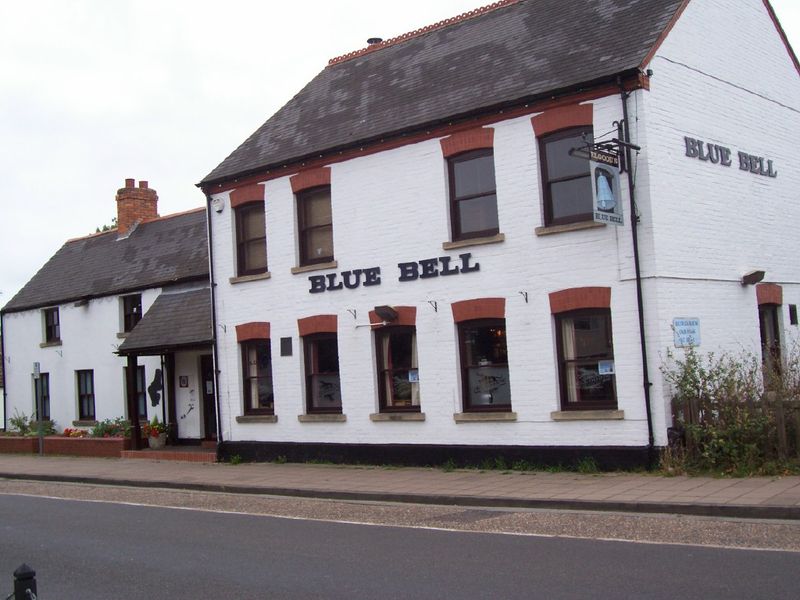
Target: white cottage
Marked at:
414, 259
102, 296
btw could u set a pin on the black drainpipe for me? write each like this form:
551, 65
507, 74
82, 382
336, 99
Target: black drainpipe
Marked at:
5, 372
215, 354
634, 233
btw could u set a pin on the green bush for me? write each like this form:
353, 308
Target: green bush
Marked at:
731, 416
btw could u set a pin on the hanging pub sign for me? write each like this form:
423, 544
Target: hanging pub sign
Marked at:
604, 168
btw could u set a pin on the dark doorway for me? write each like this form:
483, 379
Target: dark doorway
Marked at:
209, 404
770, 338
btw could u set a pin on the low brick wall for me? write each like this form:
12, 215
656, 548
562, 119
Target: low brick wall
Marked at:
18, 444
102, 447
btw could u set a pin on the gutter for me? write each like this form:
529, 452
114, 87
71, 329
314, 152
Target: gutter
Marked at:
212, 286
639, 296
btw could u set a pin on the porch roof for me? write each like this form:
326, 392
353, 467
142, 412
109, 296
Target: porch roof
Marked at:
174, 322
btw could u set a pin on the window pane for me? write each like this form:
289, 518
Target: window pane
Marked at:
325, 392
317, 207
591, 336
474, 176
560, 163
319, 243
485, 345
488, 386
572, 197
478, 214
253, 224
255, 255
327, 355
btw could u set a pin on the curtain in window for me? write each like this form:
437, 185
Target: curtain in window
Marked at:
571, 371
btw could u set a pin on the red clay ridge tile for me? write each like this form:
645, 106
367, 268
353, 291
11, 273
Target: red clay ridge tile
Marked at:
423, 30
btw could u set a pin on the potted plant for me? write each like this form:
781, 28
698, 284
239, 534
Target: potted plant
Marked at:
156, 433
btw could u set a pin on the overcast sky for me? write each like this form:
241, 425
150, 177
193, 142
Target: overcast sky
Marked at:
94, 91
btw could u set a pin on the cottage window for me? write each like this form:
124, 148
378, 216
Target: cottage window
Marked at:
323, 393
566, 179
398, 382
42, 386
473, 199
484, 365
251, 239
85, 381
315, 225
52, 325
131, 311
586, 360
257, 377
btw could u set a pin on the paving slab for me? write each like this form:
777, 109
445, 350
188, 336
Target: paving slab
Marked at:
760, 497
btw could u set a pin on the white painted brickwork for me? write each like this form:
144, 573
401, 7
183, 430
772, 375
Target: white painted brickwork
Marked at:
723, 75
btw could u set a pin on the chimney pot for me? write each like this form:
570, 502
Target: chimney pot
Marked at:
143, 185
129, 183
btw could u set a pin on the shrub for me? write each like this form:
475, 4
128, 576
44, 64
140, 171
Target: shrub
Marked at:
19, 423
118, 427
730, 415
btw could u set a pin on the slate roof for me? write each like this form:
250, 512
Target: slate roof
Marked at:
173, 321
156, 253
515, 53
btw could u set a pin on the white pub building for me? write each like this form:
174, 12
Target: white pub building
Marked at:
415, 259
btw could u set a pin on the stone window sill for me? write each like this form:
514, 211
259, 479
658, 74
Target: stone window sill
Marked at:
80, 423
332, 418
398, 416
245, 278
587, 415
551, 229
257, 419
485, 417
50, 344
316, 267
479, 241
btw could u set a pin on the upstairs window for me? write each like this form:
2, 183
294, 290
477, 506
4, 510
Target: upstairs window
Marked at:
398, 379
257, 377
315, 225
566, 179
323, 393
251, 239
586, 360
52, 325
131, 311
473, 198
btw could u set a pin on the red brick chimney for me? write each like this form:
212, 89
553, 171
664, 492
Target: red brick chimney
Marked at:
134, 205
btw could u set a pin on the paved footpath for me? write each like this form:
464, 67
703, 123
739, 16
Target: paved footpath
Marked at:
756, 497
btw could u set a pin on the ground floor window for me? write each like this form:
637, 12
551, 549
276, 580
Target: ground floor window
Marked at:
85, 381
42, 387
323, 394
141, 393
586, 360
484, 365
398, 379
257, 377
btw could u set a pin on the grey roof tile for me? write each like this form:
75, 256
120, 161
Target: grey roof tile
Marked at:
518, 52
157, 253
174, 320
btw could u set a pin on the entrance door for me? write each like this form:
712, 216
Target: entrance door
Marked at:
209, 404
770, 338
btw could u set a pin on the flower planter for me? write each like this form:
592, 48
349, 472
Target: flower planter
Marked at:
18, 444
157, 442
86, 446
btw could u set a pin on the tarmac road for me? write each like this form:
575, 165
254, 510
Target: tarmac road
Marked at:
224, 545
